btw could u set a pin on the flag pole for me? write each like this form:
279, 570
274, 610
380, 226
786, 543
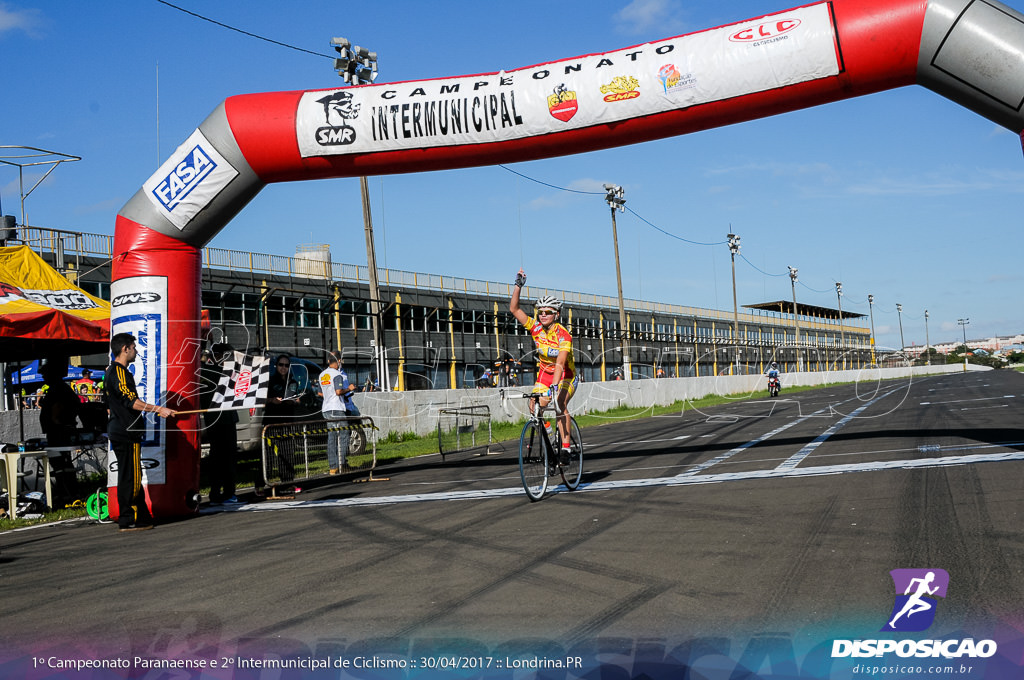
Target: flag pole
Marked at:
207, 410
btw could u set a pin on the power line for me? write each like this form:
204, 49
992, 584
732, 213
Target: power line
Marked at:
238, 30
667, 233
680, 238
744, 258
552, 186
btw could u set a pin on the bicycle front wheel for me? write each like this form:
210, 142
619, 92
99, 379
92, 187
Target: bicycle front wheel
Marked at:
572, 472
533, 462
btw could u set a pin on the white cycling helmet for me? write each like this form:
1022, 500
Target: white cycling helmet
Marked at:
549, 302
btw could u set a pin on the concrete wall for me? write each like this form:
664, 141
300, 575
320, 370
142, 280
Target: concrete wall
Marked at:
418, 411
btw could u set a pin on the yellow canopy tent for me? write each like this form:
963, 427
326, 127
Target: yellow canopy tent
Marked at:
43, 314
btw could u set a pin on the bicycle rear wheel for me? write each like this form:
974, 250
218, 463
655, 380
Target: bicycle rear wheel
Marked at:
573, 472
533, 463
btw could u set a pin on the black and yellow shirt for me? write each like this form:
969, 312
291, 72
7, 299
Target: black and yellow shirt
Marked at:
125, 423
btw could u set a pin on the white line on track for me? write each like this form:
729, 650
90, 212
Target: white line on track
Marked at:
799, 456
965, 401
777, 473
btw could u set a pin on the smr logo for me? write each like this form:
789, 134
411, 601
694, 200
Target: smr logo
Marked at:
914, 609
338, 110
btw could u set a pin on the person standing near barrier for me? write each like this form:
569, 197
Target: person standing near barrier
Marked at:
337, 393
220, 430
282, 399
125, 429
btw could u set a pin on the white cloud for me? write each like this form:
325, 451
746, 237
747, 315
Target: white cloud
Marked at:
27, 20
646, 15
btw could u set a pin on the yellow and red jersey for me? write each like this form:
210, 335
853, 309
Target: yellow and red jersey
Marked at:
549, 344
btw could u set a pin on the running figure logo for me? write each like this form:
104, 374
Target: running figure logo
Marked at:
916, 593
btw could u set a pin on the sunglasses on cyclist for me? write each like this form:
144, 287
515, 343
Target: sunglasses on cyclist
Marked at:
546, 312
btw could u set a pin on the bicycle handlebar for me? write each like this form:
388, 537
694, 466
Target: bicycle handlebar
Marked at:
537, 396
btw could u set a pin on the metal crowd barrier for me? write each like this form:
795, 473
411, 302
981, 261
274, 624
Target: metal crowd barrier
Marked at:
293, 452
457, 429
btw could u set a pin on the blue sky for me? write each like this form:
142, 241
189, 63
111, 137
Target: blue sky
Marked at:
903, 194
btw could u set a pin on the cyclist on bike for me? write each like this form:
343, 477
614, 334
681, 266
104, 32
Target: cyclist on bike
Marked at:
556, 370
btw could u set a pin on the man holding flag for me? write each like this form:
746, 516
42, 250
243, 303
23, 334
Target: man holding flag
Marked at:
125, 430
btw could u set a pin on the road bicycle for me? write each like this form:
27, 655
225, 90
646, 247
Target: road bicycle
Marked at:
538, 457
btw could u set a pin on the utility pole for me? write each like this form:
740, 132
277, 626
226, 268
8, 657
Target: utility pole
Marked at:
871, 311
358, 66
796, 314
899, 314
927, 342
963, 324
616, 200
734, 247
842, 330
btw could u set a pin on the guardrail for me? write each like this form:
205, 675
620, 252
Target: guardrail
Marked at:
293, 452
457, 429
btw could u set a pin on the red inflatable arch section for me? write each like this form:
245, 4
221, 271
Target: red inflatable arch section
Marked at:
967, 50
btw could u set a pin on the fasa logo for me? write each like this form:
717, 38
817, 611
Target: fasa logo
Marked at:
916, 593
769, 29
185, 177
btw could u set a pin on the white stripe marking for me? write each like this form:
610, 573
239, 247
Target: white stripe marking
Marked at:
798, 457
817, 471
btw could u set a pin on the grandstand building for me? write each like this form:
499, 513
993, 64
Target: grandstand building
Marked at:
444, 332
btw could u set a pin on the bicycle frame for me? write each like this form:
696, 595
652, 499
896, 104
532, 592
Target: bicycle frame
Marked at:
536, 466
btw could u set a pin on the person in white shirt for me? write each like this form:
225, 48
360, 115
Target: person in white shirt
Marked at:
337, 393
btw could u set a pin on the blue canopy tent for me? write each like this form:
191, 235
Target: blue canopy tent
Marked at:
31, 374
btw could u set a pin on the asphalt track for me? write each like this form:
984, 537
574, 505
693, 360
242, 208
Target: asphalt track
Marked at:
759, 515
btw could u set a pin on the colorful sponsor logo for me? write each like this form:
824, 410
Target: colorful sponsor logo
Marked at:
917, 591
183, 178
622, 88
672, 80
563, 104
55, 299
914, 611
339, 109
242, 383
764, 31
134, 298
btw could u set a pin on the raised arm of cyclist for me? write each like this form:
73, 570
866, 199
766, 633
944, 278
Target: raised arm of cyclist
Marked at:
556, 368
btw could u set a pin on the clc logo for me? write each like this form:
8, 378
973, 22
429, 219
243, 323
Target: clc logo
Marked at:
916, 593
769, 29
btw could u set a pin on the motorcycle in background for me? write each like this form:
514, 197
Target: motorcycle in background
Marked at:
773, 386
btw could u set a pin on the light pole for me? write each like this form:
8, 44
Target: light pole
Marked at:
927, 341
963, 324
734, 247
796, 314
358, 66
871, 312
616, 199
899, 315
842, 331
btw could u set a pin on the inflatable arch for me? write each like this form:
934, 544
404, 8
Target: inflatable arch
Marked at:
971, 51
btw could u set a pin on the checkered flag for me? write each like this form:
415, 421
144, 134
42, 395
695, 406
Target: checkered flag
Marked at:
243, 383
